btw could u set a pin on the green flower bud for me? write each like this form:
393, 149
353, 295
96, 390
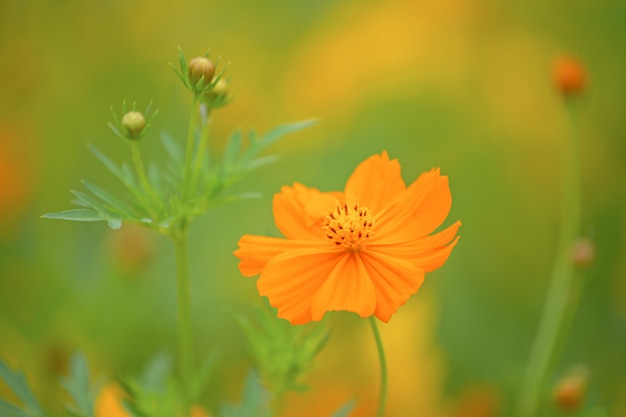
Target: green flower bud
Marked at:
134, 122
199, 67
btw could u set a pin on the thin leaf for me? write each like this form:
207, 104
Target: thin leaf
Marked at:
111, 166
259, 162
10, 410
77, 215
280, 131
17, 382
232, 149
202, 375
95, 205
113, 202
156, 372
172, 148
155, 179
77, 385
255, 400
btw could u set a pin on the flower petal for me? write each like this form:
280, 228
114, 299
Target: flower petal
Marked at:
299, 211
291, 280
422, 209
256, 251
427, 253
348, 288
395, 280
375, 183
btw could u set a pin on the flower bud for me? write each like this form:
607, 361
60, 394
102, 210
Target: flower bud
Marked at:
569, 76
583, 253
134, 122
199, 67
569, 393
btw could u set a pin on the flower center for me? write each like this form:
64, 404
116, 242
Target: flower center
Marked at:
349, 226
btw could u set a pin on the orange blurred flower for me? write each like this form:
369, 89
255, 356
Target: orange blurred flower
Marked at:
363, 250
569, 75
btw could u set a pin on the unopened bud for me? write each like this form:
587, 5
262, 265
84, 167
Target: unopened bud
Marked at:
199, 67
569, 393
583, 253
134, 122
569, 76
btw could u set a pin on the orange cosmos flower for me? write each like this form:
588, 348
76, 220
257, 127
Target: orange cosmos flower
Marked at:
364, 250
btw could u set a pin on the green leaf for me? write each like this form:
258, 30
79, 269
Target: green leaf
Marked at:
259, 162
77, 215
17, 383
172, 148
280, 131
255, 400
231, 150
113, 202
155, 374
111, 166
77, 385
113, 219
10, 410
201, 377
155, 179
345, 410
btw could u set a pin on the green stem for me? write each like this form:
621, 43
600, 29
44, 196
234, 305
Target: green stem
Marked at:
200, 155
187, 171
382, 400
141, 173
184, 319
557, 306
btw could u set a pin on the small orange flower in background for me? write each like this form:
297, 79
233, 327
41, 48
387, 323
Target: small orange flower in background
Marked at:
364, 250
569, 75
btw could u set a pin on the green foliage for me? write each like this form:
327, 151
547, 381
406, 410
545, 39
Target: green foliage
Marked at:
156, 201
77, 384
155, 392
16, 381
282, 352
254, 400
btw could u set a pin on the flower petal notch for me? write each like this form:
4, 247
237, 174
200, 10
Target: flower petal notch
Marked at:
365, 250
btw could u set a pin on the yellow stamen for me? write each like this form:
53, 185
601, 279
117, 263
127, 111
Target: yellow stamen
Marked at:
349, 226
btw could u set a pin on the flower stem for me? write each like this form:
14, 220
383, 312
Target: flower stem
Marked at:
561, 292
383, 368
189, 154
184, 320
141, 173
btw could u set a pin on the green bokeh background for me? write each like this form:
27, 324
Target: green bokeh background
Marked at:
461, 85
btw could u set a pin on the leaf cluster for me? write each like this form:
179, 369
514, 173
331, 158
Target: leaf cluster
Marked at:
156, 200
282, 352
77, 384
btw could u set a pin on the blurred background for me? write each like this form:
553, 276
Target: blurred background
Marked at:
462, 85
